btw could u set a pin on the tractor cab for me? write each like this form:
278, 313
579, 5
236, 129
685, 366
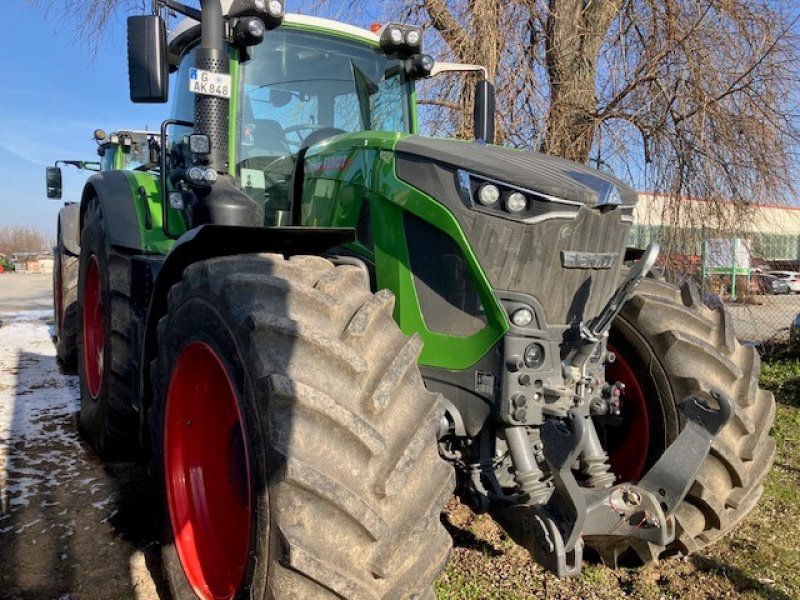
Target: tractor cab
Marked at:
127, 149
301, 88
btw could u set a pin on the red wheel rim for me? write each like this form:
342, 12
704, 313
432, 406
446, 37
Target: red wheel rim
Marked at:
93, 323
629, 456
207, 473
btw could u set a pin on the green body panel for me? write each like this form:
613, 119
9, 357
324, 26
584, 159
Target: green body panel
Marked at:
233, 109
119, 158
153, 239
357, 168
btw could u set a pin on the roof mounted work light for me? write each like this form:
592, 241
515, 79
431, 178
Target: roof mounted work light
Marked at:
271, 12
403, 40
419, 66
249, 31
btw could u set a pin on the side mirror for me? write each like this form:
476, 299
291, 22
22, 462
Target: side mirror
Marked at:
53, 178
148, 65
484, 112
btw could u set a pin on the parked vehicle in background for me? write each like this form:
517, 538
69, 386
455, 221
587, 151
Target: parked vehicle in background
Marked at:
768, 284
792, 279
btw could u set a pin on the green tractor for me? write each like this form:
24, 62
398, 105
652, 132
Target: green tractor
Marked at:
317, 324
122, 150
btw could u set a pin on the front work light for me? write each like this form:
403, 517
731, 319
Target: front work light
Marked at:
199, 144
419, 66
271, 12
488, 194
516, 202
403, 40
249, 31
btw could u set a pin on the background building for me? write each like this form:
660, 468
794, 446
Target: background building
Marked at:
682, 225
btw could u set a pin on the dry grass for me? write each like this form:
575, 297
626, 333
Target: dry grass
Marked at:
760, 559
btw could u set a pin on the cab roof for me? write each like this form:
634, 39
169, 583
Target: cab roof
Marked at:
186, 25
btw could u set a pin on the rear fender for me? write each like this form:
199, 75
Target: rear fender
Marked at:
69, 226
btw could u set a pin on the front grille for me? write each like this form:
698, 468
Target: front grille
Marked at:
526, 258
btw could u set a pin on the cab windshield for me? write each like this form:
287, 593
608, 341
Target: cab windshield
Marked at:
300, 88
297, 82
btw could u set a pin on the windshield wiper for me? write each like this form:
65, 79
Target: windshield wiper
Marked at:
365, 88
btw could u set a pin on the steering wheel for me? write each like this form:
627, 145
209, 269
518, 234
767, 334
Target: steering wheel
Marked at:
296, 129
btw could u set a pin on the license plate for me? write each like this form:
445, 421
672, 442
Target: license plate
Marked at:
209, 84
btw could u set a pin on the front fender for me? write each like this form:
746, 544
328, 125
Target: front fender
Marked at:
113, 192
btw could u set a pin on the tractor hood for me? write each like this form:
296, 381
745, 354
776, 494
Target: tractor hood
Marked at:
566, 252
548, 175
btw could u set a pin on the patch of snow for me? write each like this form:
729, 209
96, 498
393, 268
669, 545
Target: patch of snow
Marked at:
39, 446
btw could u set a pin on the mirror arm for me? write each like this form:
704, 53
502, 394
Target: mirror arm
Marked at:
178, 7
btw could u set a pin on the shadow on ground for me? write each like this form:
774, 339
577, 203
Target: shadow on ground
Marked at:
70, 527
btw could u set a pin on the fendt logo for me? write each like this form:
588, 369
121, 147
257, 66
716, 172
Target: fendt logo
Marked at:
588, 260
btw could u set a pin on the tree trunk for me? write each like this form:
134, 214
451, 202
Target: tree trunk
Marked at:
574, 31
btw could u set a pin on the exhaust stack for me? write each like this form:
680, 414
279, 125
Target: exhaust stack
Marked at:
211, 112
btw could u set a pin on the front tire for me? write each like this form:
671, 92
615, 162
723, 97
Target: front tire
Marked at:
673, 345
315, 432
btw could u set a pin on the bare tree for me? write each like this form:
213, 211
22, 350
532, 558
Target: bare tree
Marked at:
89, 19
684, 97
18, 238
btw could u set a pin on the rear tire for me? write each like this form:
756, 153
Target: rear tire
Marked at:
106, 419
677, 346
345, 481
65, 303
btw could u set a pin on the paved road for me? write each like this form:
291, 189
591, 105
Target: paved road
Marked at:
71, 528
25, 292
769, 319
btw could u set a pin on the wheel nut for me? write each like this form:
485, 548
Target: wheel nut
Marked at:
520, 415
519, 400
524, 380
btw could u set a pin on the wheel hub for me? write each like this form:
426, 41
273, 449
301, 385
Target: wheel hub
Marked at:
629, 456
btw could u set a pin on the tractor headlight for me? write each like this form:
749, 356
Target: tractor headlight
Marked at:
275, 8
534, 356
516, 202
396, 36
522, 317
508, 201
488, 194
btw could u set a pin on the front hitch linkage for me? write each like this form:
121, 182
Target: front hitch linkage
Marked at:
643, 510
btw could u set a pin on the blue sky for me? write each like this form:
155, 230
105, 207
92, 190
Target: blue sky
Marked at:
53, 97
